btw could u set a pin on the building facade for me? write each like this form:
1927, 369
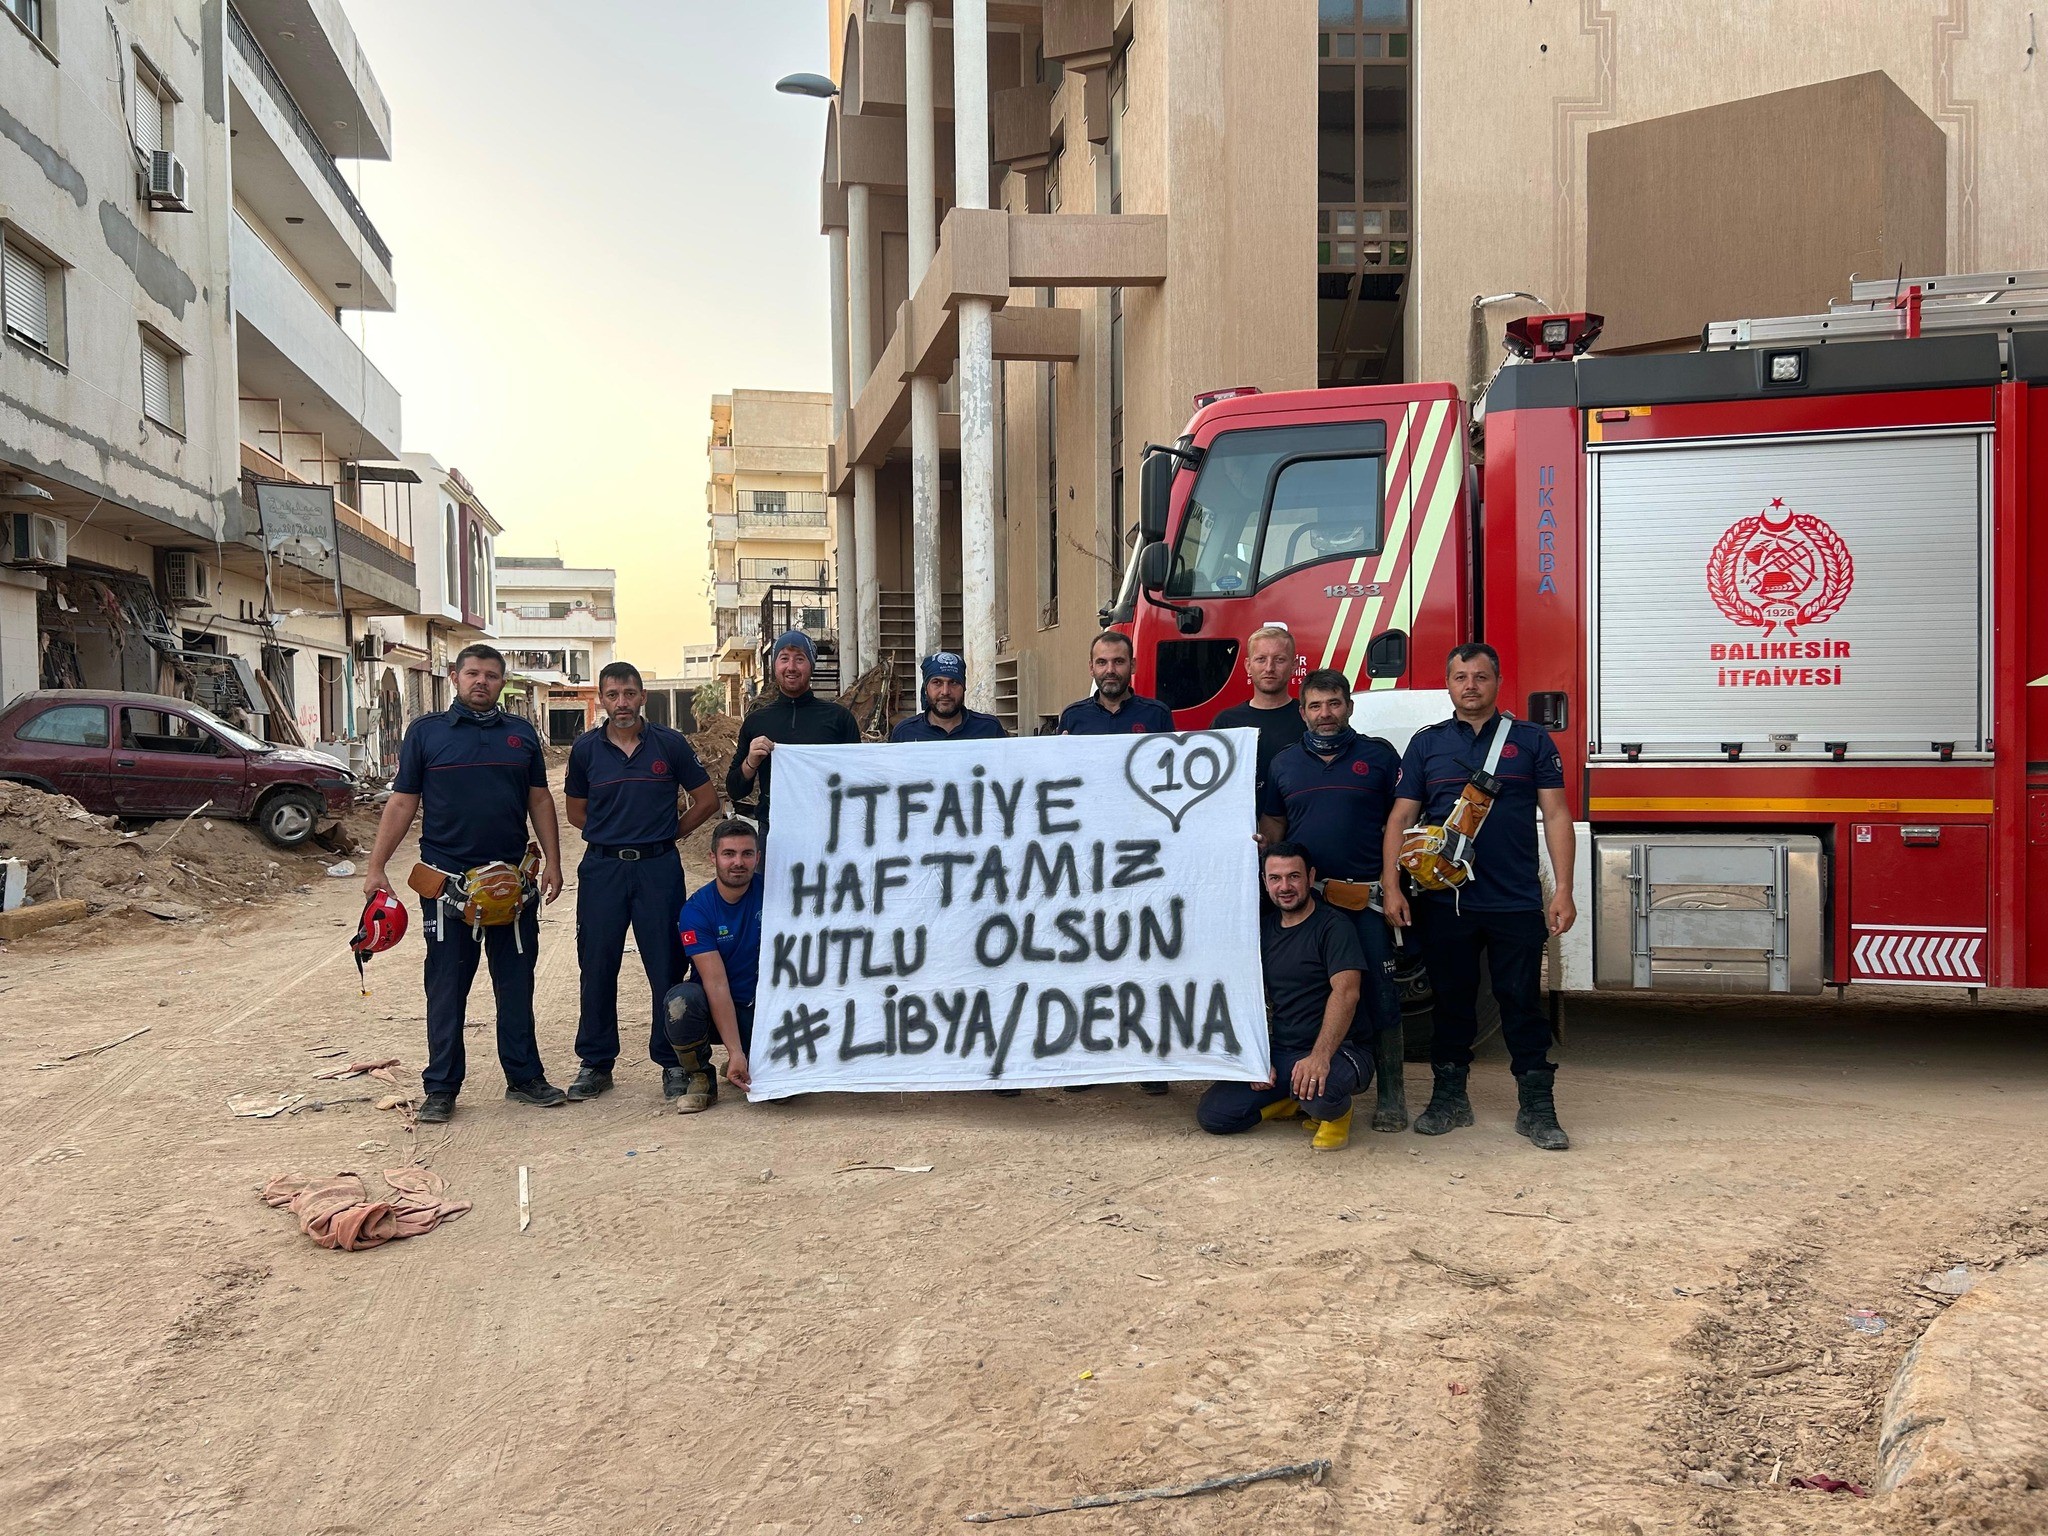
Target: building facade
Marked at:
773, 538
179, 395
1185, 195
558, 626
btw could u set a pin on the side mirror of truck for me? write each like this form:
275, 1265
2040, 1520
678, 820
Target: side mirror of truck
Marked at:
1152, 567
1387, 655
1155, 493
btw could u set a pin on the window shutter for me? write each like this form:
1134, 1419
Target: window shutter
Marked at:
156, 384
149, 116
26, 296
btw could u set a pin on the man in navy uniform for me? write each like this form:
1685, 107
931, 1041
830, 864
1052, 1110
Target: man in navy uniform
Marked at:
946, 716
1330, 794
1112, 709
622, 789
1500, 910
475, 776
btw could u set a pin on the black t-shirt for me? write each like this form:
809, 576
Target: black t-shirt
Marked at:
1278, 730
1299, 963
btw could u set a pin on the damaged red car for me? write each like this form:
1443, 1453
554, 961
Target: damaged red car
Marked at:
145, 757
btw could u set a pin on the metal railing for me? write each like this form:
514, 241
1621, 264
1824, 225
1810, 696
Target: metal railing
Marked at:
771, 502
252, 53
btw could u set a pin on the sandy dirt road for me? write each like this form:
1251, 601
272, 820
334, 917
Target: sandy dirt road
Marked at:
709, 1328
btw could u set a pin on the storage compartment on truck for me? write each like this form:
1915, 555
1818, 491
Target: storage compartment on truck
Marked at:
1705, 912
1919, 903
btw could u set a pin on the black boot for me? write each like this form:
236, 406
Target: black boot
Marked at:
590, 1082
1388, 1049
1448, 1107
1537, 1118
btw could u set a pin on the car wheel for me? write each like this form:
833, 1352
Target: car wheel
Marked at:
289, 817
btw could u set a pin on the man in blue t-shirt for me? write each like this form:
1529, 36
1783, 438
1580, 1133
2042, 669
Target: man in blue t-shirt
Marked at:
622, 787
1500, 910
1330, 794
720, 928
475, 776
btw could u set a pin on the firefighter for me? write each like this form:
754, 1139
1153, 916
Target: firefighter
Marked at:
622, 786
792, 716
946, 716
1270, 660
720, 927
1499, 908
1112, 709
476, 777
1312, 967
1330, 793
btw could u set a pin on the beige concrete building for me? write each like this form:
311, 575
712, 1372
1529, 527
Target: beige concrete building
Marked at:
1191, 194
773, 538
558, 626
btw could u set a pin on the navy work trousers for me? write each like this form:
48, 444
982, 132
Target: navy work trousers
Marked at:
688, 1017
1227, 1108
614, 896
453, 950
1452, 942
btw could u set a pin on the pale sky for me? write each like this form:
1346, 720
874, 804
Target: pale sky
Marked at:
600, 215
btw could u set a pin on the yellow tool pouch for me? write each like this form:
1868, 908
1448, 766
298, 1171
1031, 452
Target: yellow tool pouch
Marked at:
1439, 858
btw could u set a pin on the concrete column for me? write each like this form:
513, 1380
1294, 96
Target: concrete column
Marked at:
843, 558
922, 180
977, 364
860, 362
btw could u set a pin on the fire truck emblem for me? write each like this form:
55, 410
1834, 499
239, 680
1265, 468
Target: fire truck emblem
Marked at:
1780, 567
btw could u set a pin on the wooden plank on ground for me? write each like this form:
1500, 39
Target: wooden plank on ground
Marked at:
23, 921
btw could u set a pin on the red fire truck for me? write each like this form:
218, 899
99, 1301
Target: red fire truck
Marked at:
1774, 599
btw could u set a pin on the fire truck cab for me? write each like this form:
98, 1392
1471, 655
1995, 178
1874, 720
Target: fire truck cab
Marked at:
1774, 599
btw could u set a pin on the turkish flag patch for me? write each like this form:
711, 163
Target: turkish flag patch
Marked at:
689, 935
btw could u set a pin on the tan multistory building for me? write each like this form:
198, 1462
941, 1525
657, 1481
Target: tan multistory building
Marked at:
1184, 195
772, 534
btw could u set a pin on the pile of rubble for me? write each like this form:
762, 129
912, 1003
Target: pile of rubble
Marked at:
714, 740
169, 870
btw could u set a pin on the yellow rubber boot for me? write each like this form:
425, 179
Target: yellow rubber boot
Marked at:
1285, 1109
1333, 1135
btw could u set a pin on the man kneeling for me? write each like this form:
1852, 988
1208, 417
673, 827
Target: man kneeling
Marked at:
721, 932
1314, 966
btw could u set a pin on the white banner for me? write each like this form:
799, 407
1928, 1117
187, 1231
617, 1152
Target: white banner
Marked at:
1011, 914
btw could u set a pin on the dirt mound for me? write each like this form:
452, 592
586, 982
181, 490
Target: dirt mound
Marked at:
714, 741
168, 870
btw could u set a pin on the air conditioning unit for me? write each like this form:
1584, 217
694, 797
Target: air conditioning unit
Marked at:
33, 540
166, 189
187, 581
371, 646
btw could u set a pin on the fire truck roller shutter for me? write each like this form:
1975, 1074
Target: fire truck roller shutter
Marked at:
1788, 594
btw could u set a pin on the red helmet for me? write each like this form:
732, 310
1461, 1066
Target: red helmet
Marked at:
382, 926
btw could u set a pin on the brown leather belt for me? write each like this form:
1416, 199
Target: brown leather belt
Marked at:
1352, 895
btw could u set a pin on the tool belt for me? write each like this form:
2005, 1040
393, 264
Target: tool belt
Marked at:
1439, 858
488, 896
1352, 895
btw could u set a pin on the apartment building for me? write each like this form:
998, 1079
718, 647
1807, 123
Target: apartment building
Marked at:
558, 626
772, 534
1183, 195
180, 397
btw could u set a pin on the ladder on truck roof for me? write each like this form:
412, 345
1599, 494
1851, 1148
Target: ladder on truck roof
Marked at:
1888, 309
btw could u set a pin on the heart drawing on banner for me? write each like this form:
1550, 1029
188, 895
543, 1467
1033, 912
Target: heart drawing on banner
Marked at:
1174, 774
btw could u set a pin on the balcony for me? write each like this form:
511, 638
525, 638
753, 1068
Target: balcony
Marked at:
286, 175
314, 50
580, 624
377, 570
292, 350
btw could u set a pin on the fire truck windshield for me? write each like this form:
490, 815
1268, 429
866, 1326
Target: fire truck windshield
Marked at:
1270, 500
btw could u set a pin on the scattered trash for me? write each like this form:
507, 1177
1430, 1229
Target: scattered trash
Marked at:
1532, 1215
342, 870
767, 1174
1087, 1376
1459, 1389
525, 1204
1820, 1482
1863, 1320
394, 1101
1954, 1282
93, 1050
377, 1069
373, 1146
1712, 1479
1155, 1279
337, 1211
262, 1106
886, 1168
1312, 1470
